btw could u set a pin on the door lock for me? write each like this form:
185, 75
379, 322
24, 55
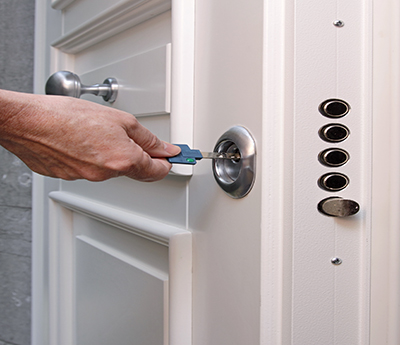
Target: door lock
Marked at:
236, 176
65, 83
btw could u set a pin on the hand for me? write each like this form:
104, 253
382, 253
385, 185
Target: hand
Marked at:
70, 138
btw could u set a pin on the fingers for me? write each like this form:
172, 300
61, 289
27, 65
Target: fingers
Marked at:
149, 169
150, 143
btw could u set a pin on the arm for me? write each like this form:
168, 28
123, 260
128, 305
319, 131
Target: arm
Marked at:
69, 138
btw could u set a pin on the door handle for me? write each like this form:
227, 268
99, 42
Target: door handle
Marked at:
64, 83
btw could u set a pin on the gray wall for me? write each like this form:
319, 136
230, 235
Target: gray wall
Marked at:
16, 73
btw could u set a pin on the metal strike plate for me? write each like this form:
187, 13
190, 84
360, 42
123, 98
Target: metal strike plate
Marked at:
236, 176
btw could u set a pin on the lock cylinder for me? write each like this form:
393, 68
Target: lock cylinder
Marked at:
228, 170
236, 176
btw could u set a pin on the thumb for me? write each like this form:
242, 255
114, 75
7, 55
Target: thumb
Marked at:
150, 143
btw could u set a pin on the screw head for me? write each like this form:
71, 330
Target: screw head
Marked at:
338, 23
336, 261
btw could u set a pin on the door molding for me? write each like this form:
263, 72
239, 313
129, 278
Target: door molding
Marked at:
385, 269
148, 228
110, 22
178, 241
60, 4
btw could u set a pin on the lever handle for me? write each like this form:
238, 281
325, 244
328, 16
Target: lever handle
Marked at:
66, 83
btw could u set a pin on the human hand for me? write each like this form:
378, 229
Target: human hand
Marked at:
70, 138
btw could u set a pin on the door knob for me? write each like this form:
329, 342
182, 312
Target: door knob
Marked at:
66, 83
338, 207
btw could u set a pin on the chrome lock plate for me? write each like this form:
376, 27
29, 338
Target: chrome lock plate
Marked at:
236, 176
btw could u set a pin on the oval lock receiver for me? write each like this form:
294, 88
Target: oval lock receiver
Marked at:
338, 207
334, 108
236, 176
334, 132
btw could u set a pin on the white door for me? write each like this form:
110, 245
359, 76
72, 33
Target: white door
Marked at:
118, 268
181, 261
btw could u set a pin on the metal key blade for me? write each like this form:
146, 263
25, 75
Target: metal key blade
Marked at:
220, 155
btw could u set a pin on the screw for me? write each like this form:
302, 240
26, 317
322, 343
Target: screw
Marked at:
336, 261
338, 23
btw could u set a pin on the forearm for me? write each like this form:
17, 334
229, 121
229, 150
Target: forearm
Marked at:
11, 105
70, 138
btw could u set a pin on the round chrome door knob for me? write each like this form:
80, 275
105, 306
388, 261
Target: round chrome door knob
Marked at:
338, 207
64, 83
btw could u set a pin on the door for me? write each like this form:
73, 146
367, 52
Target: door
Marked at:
118, 268
183, 261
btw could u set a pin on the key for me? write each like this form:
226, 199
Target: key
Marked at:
189, 156
220, 155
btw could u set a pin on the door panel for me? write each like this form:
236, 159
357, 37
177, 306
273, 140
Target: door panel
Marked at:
115, 277
147, 76
117, 297
167, 197
141, 38
120, 258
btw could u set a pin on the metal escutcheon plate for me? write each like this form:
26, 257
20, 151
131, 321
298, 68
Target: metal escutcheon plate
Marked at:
236, 176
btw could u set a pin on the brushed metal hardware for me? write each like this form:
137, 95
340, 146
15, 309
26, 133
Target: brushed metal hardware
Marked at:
334, 108
333, 157
336, 261
338, 207
235, 176
221, 155
338, 23
333, 182
334, 132
64, 83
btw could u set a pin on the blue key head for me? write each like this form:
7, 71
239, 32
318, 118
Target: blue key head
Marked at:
186, 156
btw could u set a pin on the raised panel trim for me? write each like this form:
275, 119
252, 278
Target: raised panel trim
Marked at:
178, 240
148, 228
114, 20
60, 4
123, 257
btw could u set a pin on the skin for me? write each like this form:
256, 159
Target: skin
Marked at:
70, 138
